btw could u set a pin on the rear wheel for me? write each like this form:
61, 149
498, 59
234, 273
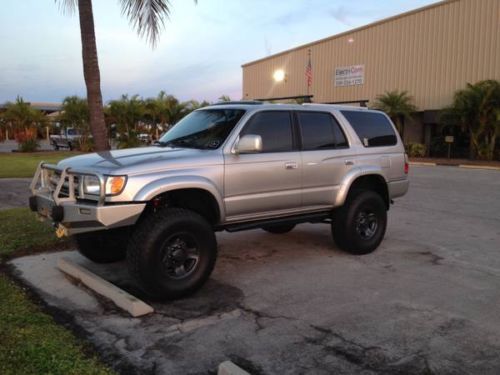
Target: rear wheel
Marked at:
359, 226
105, 246
279, 229
172, 253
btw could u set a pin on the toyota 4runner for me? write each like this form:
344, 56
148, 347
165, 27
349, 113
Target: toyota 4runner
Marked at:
226, 167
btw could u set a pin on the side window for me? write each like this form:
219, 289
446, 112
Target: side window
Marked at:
320, 131
373, 129
275, 128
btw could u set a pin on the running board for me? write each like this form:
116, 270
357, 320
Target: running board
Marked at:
296, 219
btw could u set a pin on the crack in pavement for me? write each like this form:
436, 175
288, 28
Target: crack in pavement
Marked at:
371, 358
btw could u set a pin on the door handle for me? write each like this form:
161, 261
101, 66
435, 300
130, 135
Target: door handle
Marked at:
349, 162
291, 165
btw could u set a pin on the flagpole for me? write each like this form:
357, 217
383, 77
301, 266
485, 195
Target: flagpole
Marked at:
309, 71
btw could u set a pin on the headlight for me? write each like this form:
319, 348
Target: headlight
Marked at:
114, 185
91, 185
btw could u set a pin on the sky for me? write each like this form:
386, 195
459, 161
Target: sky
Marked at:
199, 56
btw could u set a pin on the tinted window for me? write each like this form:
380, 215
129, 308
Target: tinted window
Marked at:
320, 131
274, 127
373, 129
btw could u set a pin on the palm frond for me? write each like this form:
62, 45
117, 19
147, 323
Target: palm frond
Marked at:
67, 6
147, 17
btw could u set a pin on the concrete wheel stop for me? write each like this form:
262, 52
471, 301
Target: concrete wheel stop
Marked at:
121, 298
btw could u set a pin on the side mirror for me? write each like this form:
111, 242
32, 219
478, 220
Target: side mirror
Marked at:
249, 144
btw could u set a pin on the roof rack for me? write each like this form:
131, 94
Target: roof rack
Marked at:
245, 102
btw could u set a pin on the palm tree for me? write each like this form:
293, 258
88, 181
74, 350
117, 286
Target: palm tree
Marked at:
146, 17
21, 116
224, 98
398, 106
127, 113
476, 110
75, 114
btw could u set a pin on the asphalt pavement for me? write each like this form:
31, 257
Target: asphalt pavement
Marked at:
14, 192
427, 301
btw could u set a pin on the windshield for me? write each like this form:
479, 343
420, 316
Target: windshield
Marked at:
206, 129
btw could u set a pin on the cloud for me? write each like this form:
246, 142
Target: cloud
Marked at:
341, 15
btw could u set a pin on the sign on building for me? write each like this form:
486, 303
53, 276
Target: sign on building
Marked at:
349, 75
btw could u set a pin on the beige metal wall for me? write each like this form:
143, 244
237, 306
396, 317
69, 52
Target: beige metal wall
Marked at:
430, 52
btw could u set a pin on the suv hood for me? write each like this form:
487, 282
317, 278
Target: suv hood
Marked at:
141, 160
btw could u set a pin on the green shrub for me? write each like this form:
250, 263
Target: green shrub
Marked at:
29, 145
416, 150
86, 144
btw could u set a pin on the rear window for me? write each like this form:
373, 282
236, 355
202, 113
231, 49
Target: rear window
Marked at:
373, 129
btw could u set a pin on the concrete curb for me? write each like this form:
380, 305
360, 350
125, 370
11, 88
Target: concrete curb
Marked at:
422, 163
467, 166
479, 167
121, 298
229, 368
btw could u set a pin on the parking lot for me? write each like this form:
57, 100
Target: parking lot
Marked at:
427, 301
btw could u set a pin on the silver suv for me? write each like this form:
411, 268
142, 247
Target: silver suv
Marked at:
227, 167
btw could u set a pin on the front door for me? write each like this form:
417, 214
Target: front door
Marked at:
266, 183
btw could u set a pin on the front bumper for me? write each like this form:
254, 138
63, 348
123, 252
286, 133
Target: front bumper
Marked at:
73, 216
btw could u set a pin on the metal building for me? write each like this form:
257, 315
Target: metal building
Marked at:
431, 52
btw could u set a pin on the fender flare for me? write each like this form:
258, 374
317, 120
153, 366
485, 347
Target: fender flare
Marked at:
167, 184
351, 176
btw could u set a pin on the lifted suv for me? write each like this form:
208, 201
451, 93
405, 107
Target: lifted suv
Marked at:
227, 167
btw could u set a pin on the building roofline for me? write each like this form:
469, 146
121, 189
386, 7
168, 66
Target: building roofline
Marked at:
344, 33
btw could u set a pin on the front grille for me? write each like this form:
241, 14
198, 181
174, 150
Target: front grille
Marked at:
54, 179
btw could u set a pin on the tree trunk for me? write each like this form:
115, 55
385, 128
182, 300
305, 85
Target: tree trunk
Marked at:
92, 75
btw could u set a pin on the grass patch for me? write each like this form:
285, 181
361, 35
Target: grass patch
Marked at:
32, 343
21, 233
17, 164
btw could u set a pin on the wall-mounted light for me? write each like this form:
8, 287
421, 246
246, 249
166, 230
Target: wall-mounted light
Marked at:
350, 40
279, 75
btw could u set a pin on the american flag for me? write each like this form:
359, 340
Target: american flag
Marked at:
309, 72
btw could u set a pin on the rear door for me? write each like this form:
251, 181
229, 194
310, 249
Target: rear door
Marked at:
269, 182
325, 157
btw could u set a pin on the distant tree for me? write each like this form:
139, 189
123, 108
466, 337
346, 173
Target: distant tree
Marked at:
126, 113
398, 106
21, 116
75, 114
476, 109
192, 105
224, 98
24, 121
146, 17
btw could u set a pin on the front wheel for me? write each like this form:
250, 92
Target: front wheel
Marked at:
172, 253
359, 225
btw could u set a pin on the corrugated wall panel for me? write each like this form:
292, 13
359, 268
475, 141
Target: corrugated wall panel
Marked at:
431, 53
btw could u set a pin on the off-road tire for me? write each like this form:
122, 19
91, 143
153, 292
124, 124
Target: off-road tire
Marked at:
348, 228
279, 229
152, 252
105, 246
